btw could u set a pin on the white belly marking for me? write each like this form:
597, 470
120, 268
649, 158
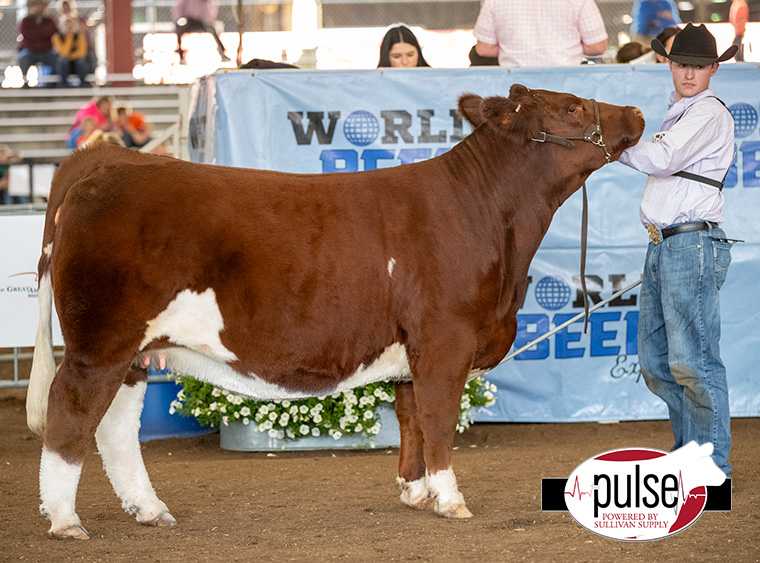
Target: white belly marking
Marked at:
392, 364
192, 320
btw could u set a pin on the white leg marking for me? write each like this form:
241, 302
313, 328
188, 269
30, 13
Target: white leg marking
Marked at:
118, 442
43, 365
414, 493
192, 320
58, 490
391, 264
48, 250
449, 501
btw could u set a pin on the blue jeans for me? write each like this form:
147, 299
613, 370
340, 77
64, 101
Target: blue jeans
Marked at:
65, 67
28, 58
679, 335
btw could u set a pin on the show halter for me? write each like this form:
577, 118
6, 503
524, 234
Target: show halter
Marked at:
593, 135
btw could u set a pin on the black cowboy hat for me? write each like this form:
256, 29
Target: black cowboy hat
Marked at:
694, 45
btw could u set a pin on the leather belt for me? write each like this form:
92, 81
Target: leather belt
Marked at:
658, 235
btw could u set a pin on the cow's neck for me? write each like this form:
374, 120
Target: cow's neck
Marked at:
522, 182
525, 188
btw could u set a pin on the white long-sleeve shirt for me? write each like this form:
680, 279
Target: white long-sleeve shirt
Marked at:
700, 142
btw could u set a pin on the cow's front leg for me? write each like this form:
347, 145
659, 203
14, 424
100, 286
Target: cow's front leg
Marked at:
411, 465
119, 446
440, 373
79, 396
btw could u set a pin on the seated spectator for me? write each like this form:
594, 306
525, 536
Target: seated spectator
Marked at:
631, 51
97, 108
88, 127
400, 49
71, 47
665, 37
68, 9
196, 16
135, 131
35, 39
479, 60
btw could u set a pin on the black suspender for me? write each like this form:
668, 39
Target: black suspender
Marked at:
703, 179
699, 177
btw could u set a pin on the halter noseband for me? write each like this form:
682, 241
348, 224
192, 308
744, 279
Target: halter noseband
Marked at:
592, 134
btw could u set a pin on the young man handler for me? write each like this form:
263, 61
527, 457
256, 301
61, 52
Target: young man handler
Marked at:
688, 256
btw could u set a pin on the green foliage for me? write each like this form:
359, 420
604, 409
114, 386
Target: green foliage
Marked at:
340, 414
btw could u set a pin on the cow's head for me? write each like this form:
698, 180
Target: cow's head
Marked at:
525, 114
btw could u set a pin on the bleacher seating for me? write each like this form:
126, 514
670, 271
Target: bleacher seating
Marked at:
35, 121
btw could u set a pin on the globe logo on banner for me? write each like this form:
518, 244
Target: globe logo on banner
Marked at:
552, 293
361, 128
745, 119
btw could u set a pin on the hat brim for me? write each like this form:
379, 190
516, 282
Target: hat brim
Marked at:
659, 48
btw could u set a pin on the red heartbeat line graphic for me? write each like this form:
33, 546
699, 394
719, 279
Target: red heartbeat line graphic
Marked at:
684, 496
577, 488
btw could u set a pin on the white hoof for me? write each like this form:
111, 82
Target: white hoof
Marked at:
415, 493
459, 511
163, 520
76, 532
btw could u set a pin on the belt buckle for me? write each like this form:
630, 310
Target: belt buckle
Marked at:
654, 234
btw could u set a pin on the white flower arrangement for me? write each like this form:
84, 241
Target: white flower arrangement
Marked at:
337, 415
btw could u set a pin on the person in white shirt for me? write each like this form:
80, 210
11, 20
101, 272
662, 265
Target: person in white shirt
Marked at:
540, 32
689, 254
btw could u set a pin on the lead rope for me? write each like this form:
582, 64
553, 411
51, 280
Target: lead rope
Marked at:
584, 237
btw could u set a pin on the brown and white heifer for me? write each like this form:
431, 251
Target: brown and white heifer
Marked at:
281, 286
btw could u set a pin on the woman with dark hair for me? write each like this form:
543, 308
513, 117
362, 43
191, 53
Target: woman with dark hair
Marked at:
400, 48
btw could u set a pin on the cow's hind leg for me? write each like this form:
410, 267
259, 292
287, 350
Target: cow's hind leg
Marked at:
119, 446
440, 372
411, 466
79, 397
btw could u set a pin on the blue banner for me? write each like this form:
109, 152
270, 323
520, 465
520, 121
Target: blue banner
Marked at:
346, 121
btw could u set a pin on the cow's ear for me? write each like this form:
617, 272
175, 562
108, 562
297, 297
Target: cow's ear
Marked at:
514, 116
470, 108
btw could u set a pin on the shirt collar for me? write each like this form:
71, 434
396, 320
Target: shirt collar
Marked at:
684, 103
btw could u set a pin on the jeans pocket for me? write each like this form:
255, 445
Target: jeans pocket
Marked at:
722, 258
684, 241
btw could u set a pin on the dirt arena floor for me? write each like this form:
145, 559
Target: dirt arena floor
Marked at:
340, 505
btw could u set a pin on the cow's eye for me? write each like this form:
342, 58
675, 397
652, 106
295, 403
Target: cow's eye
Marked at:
572, 109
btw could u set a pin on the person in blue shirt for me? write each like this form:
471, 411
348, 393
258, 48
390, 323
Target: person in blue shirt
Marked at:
650, 17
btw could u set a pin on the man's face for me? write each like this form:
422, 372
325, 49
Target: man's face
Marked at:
690, 80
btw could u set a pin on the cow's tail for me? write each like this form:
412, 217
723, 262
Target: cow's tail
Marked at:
77, 167
43, 364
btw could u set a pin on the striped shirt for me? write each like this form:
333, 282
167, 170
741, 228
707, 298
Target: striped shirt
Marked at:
540, 32
700, 141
